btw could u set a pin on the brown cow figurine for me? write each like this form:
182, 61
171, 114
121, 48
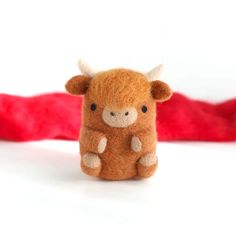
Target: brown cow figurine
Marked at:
118, 133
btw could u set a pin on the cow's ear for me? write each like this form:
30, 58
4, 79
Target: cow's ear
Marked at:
161, 91
78, 85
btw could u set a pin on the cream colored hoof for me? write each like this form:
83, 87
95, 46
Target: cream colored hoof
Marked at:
136, 144
91, 160
148, 159
102, 145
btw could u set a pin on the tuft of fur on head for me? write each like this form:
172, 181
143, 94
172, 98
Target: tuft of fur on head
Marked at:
119, 88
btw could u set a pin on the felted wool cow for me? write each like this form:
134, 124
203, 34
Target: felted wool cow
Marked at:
118, 133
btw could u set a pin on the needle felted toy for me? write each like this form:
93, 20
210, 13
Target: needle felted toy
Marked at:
118, 133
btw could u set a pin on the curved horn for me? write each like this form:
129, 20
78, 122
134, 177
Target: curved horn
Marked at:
155, 73
86, 69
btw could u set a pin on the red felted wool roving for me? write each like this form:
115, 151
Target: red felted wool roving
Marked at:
58, 116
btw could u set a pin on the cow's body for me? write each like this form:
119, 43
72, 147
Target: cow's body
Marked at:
118, 160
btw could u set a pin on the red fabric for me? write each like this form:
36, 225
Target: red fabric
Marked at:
58, 116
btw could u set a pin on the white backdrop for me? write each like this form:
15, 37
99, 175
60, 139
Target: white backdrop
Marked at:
41, 41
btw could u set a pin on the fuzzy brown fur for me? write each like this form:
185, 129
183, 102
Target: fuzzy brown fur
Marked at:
117, 89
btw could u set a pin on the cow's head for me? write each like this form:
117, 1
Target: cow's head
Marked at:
119, 97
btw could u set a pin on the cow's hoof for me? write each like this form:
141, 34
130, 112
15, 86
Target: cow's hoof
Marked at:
91, 164
147, 165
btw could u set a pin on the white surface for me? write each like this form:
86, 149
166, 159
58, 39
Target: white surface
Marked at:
41, 41
43, 192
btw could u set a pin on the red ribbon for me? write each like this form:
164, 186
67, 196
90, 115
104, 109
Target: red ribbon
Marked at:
58, 116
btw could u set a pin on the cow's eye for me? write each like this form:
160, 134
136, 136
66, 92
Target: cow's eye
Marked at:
93, 107
144, 109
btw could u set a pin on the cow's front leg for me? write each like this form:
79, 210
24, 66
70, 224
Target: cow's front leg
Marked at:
147, 165
91, 164
92, 143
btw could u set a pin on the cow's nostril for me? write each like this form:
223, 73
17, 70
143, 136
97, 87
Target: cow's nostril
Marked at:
126, 113
112, 113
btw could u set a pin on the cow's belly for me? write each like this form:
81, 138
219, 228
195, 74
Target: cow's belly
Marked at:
119, 161
116, 167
